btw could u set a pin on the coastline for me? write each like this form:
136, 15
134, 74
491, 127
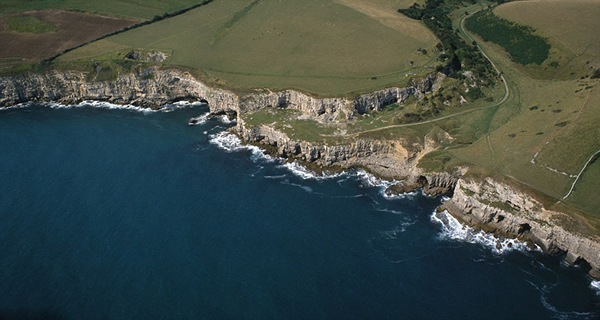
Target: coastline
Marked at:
484, 204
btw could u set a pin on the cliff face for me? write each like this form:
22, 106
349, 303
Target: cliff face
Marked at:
499, 208
392, 160
153, 87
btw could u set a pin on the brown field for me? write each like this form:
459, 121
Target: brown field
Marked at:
72, 29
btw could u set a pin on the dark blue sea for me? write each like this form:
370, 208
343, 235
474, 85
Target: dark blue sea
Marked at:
121, 214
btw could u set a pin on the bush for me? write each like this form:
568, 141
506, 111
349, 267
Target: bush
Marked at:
519, 41
475, 93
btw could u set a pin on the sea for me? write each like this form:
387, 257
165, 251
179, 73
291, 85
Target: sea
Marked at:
116, 212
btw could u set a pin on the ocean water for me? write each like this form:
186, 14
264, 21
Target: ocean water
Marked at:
123, 214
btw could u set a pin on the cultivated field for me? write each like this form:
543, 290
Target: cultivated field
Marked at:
138, 10
325, 47
68, 29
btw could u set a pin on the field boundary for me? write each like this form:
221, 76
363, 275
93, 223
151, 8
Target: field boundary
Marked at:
580, 173
134, 26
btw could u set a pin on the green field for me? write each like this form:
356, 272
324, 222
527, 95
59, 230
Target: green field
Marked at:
28, 24
328, 49
141, 10
548, 128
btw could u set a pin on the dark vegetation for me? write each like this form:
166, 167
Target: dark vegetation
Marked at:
522, 45
457, 54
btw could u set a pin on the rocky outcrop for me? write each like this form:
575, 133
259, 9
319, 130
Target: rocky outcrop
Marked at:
500, 208
392, 160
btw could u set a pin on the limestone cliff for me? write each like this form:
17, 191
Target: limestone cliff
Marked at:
392, 160
500, 208
154, 87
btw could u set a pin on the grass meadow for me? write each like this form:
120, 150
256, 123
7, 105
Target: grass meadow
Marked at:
548, 128
320, 46
28, 24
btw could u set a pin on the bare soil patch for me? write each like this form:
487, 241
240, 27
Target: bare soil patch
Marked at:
72, 29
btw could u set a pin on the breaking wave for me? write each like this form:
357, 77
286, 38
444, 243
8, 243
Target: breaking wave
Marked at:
596, 286
107, 105
452, 229
371, 180
202, 119
306, 174
230, 143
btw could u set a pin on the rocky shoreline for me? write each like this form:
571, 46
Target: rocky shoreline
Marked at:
483, 203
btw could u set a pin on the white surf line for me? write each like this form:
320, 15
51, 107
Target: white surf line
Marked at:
579, 175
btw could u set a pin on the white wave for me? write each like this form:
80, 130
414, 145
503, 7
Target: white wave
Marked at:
103, 105
452, 229
371, 180
200, 120
108, 105
596, 286
230, 143
399, 195
17, 106
302, 172
225, 119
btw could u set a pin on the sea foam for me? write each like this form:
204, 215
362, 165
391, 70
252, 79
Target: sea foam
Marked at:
596, 286
108, 105
306, 174
452, 229
231, 143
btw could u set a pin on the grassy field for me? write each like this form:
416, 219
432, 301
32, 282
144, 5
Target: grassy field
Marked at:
139, 10
546, 131
33, 42
324, 47
29, 24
